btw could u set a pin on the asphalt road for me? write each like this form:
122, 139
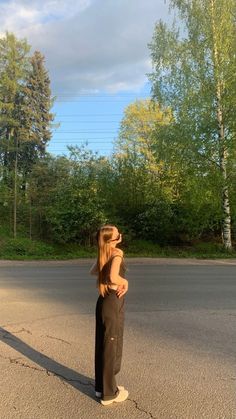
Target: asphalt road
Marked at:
179, 356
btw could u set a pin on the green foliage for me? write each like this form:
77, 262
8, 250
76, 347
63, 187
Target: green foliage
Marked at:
67, 194
24, 247
25, 102
14, 65
36, 115
194, 74
155, 222
161, 187
144, 247
176, 197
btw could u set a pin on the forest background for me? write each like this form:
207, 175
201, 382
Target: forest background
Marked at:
170, 182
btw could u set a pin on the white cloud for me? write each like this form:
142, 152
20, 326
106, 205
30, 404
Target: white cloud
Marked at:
88, 44
22, 15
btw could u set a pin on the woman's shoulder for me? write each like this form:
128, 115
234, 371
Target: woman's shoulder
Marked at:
117, 252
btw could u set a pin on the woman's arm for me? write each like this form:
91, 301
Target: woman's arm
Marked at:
115, 269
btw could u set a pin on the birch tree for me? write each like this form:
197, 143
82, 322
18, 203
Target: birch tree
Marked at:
194, 67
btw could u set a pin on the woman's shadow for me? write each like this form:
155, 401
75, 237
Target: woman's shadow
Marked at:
50, 367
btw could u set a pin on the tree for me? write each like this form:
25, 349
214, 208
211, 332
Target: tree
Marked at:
138, 140
37, 117
13, 67
194, 74
25, 118
138, 130
143, 177
65, 197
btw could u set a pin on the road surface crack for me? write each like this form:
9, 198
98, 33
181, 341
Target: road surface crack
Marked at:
22, 331
17, 361
141, 410
42, 319
22, 364
53, 337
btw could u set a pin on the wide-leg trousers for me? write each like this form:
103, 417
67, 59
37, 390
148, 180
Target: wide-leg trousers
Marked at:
108, 343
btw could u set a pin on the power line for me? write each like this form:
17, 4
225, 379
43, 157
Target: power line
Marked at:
89, 101
89, 114
100, 149
59, 140
89, 121
59, 147
97, 98
85, 141
64, 150
106, 98
86, 132
106, 140
88, 145
97, 94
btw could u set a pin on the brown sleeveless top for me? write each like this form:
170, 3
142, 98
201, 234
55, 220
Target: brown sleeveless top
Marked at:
107, 270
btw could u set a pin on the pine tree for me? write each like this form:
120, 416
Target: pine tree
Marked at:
13, 67
37, 116
25, 102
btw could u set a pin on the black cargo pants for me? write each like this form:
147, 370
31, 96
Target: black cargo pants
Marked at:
108, 343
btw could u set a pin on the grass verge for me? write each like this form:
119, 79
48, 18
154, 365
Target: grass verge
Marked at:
26, 249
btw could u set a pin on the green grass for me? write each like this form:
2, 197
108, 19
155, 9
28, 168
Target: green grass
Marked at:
26, 249
201, 250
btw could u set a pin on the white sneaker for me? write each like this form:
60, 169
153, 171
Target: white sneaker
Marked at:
98, 394
121, 397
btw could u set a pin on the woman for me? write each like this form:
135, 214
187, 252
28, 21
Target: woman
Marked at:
109, 269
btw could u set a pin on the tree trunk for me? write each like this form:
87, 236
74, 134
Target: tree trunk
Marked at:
30, 219
5, 157
226, 224
226, 221
15, 189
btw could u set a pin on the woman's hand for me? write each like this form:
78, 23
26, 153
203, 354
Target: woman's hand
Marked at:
94, 269
122, 289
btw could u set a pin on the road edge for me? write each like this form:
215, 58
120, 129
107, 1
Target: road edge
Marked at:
132, 261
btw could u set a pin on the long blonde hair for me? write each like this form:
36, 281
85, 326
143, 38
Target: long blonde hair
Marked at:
104, 236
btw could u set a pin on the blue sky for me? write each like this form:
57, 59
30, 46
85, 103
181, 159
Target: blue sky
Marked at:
91, 119
97, 56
